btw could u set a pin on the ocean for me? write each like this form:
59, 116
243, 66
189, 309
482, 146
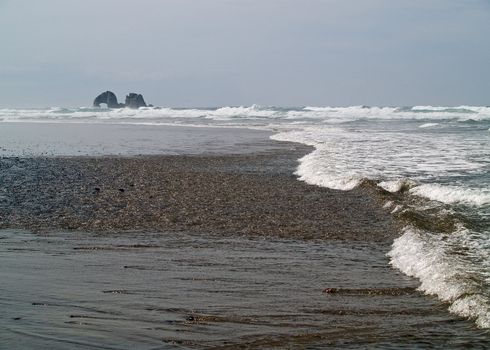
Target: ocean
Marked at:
433, 163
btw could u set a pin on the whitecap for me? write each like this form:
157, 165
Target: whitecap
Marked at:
450, 277
428, 125
453, 194
394, 186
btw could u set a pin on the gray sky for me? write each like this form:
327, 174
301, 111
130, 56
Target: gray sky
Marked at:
240, 52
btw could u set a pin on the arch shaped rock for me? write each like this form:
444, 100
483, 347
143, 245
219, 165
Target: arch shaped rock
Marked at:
109, 98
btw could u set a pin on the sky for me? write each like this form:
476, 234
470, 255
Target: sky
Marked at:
189, 53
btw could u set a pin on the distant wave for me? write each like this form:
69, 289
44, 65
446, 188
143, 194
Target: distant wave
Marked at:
428, 125
324, 114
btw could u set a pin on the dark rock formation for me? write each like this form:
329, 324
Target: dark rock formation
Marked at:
109, 98
135, 100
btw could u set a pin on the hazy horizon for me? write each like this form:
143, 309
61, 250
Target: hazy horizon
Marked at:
219, 52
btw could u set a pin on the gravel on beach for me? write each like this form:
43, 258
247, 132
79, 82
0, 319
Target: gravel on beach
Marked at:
248, 194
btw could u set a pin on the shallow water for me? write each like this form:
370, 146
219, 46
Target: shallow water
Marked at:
36, 139
166, 291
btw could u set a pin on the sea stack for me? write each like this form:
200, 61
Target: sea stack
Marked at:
133, 100
109, 98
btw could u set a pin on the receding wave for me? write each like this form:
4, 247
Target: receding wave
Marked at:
315, 168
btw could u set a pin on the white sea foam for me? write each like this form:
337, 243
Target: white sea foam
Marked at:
317, 167
252, 111
450, 277
428, 108
344, 156
418, 112
428, 125
452, 194
312, 172
396, 185
332, 115
422, 258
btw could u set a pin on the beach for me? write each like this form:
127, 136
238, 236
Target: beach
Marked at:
244, 175
252, 194
218, 247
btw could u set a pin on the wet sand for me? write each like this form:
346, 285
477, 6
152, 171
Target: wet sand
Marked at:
78, 138
162, 290
156, 290
246, 194
203, 251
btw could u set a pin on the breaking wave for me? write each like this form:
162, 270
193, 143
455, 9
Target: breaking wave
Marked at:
325, 114
452, 277
453, 194
441, 182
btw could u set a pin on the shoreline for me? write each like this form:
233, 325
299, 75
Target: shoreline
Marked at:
254, 193
249, 197
112, 139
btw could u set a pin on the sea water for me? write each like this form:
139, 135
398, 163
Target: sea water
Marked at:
435, 161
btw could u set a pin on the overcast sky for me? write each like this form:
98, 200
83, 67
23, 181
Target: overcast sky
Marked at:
241, 52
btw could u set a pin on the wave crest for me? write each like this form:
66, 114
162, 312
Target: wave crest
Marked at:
427, 257
452, 194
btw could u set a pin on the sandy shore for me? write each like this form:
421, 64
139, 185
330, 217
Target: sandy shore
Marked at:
248, 194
